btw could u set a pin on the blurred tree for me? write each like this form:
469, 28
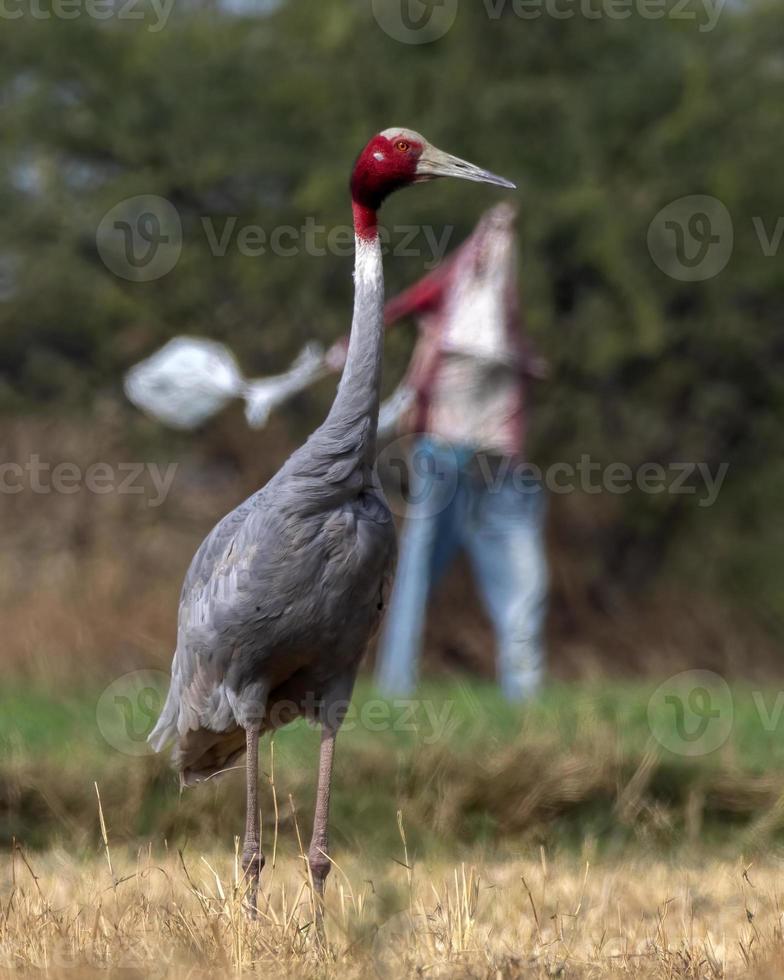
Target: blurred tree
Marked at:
243, 115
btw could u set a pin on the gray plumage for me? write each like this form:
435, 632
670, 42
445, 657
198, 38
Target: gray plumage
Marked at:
284, 594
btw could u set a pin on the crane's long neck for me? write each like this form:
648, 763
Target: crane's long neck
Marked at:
353, 418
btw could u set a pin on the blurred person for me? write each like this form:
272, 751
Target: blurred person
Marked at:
465, 398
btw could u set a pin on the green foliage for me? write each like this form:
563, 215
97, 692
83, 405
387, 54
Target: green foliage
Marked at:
578, 767
257, 117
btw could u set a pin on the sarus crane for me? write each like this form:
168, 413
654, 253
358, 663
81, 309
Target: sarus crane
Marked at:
284, 594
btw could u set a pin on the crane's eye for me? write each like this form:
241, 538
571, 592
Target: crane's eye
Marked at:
402, 145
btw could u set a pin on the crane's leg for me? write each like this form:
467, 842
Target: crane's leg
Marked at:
252, 858
318, 854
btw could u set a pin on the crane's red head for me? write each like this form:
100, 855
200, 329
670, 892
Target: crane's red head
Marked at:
398, 157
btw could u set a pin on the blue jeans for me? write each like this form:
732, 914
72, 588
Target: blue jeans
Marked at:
498, 518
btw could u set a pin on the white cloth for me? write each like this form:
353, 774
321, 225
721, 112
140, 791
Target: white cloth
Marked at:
190, 379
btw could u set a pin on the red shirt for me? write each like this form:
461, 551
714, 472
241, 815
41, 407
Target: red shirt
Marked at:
471, 365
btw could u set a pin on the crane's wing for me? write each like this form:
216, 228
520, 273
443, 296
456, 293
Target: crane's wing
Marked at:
246, 575
214, 603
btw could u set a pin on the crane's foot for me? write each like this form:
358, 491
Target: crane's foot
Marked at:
252, 863
318, 916
319, 869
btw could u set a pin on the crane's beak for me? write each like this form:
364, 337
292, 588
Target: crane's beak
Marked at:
435, 163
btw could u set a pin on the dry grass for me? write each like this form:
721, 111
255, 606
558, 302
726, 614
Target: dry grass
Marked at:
581, 766
529, 916
88, 585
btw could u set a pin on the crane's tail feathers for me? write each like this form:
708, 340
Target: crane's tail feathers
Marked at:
202, 754
165, 728
159, 737
198, 752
